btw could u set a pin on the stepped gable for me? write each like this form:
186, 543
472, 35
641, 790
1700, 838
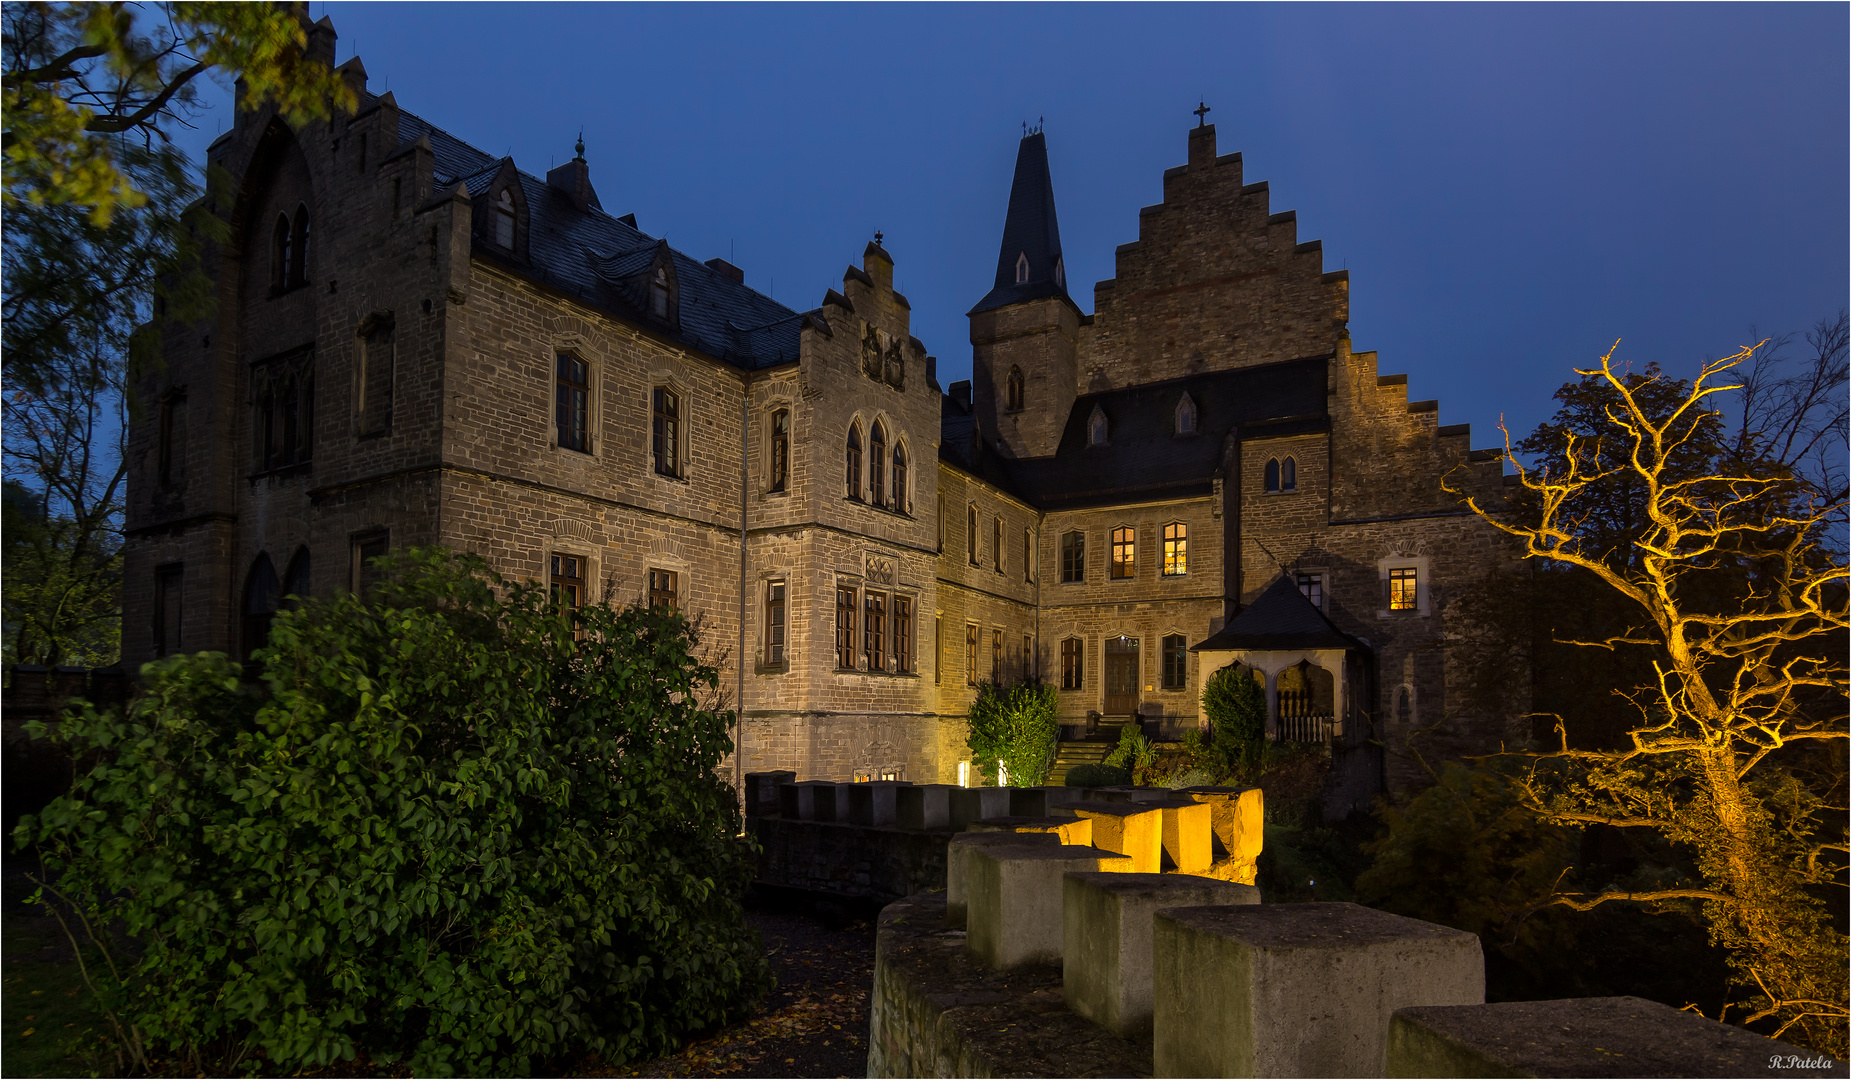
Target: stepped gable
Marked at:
1144, 457
1281, 618
1030, 230
597, 259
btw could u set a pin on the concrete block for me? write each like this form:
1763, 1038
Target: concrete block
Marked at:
923, 806
1071, 830
1017, 900
1188, 835
1128, 828
1239, 816
762, 792
977, 803
957, 862
871, 803
1034, 801
810, 800
1297, 989
1595, 1037
1106, 958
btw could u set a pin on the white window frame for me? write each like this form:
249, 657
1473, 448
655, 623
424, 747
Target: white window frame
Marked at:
1423, 586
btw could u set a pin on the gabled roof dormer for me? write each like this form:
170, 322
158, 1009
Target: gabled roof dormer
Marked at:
501, 217
661, 289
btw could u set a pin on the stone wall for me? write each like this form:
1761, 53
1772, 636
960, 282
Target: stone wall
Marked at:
852, 861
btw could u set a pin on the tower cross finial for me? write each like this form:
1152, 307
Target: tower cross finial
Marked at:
580, 145
877, 238
1201, 114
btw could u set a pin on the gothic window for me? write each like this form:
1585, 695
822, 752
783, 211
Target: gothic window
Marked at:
296, 578
1288, 475
1013, 396
1021, 268
279, 254
899, 477
665, 405
299, 248
1175, 549
874, 630
1073, 557
1272, 474
260, 598
504, 220
845, 628
774, 622
1060, 272
852, 457
903, 634
780, 449
664, 588
1124, 553
877, 460
1312, 585
1072, 663
167, 590
1175, 661
282, 411
1096, 428
373, 397
1185, 416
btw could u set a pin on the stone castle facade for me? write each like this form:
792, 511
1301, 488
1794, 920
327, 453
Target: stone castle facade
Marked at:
418, 343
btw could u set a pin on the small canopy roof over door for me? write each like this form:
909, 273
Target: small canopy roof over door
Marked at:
1316, 676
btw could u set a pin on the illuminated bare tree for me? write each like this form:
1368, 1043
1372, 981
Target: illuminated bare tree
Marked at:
1736, 581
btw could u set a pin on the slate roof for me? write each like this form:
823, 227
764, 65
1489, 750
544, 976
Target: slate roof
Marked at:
591, 256
1282, 618
1029, 229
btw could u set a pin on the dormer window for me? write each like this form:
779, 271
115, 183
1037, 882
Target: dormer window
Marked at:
504, 219
1096, 428
658, 293
1060, 273
1021, 268
1185, 416
1012, 396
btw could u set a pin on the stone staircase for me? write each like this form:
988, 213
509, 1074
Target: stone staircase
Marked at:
1091, 751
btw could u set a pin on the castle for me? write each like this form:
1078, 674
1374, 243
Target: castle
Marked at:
418, 343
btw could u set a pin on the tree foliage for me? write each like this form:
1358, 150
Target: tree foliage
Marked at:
1731, 588
1236, 708
458, 827
1016, 728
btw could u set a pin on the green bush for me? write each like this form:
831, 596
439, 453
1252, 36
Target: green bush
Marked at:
1092, 775
1236, 707
455, 828
1133, 752
1017, 729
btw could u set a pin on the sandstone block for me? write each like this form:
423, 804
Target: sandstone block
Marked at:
1239, 816
1129, 828
1070, 830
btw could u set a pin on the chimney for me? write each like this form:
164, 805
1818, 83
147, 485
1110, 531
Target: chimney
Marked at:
727, 269
574, 178
932, 371
960, 393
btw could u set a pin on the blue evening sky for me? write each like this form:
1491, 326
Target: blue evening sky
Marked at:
1511, 187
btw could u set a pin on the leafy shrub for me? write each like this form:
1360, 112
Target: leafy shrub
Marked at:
1133, 752
1236, 708
461, 829
1093, 775
1191, 776
1016, 729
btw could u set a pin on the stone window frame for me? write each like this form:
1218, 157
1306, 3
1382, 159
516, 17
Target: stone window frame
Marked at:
1322, 583
1078, 570
169, 582
973, 643
1423, 585
903, 632
877, 461
1073, 663
684, 421
854, 455
358, 542
1164, 554
768, 581
900, 476
1164, 637
1014, 390
1281, 476
847, 631
1112, 560
774, 484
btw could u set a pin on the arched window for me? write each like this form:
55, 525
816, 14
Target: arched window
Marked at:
299, 248
665, 405
853, 461
1288, 475
1021, 268
260, 598
780, 449
899, 477
877, 461
504, 219
1272, 474
658, 293
296, 578
1185, 416
1060, 272
279, 254
1013, 395
1096, 428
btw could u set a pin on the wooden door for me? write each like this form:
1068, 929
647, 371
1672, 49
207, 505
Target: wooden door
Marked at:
1121, 676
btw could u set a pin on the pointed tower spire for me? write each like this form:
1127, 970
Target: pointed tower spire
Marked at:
1029, 266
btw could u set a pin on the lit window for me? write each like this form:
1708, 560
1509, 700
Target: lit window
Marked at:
504, 220
903, 634
1072, 663
1288, 475
1403, 589
780, 448
899, 477
1073, 557
852, 460
874, 630
845, 628
572, 397
1175, 549
666, 405
1175, 661
1312, 585
1185, 416
1124, 553
663, 587
774, 622
970, 654
1013, 395
877, 458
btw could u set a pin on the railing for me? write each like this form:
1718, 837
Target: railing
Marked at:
1300, 722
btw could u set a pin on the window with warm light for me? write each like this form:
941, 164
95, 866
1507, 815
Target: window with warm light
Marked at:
1403, 588
1175, 549
1124, 553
